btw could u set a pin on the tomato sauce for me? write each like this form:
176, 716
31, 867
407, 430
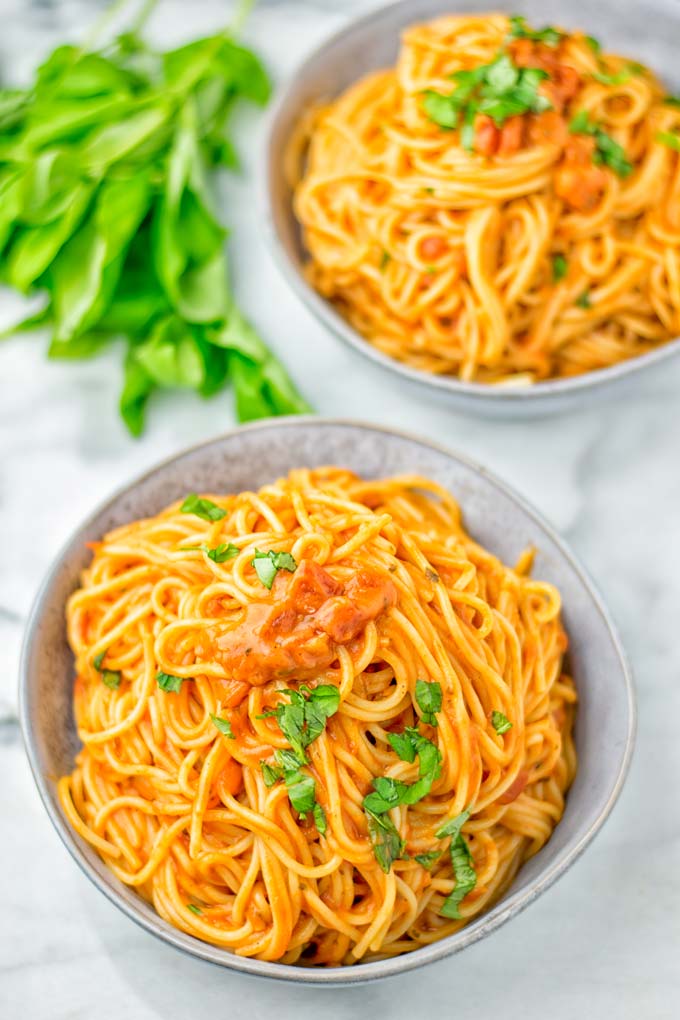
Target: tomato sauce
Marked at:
297, 632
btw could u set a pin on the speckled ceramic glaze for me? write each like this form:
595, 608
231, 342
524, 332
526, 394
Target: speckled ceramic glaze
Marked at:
372, 42
246, 459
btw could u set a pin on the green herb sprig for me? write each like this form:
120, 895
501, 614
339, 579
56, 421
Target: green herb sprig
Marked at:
304, 717
388, 793
203, 508
110, 677
499, 90
500, 722
519, 29
169, 683
669, 138
301, 721
268, 564
462, 864
608, 152
107, 210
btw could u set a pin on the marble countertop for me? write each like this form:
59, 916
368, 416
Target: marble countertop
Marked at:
607, 937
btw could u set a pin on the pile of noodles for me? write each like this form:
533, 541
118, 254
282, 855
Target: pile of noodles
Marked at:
445, 258
181, 812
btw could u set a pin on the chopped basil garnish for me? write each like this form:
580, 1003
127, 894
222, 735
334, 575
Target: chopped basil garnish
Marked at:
595, 44
270, 773
461, 861
268, 564
560, 267
194, 909
583, 300
385, 258
111, 679
519, 29
223, 725
500, 722
223, 552
218, 554
304, 719
389, 793
669, 138
300, 785
499, 90
319, 816
617, 78
203, 508
672, 101
388, 846
428, 859
607, 151
168, 682
429, 698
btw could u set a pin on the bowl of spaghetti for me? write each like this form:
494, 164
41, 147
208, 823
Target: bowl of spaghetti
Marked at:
488, 204
322, 702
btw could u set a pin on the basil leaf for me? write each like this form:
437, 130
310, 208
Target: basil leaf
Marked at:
270, 773
388, 846
288, 760
583, 300
194, 909
99, 659
268, 564
500, 722
403, 745
171, 356
291, 720
429, 699
452, 828
669, 138
465, 876
618, 78
560, 267
169, 683
519, 29
300, 786
223, 725
137, 388
223, 552
427, 860
322, 702
672, 101
320, 819
111, 679
595, 44
607, 150
441, 111
461, 861
203, 508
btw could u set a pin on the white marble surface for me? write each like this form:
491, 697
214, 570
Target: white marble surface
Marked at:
607, 938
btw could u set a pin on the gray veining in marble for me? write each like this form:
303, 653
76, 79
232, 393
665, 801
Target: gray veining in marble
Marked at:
604, 941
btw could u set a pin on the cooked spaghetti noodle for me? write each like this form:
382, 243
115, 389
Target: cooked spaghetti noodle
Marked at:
418, 665
538, 239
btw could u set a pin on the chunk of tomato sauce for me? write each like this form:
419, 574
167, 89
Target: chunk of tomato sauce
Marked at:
297, 631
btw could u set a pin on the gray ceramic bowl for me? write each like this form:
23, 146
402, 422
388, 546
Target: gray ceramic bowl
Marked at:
648, 31
496, 516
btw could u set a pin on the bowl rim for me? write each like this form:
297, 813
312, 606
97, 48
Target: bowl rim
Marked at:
511, 905
506, 396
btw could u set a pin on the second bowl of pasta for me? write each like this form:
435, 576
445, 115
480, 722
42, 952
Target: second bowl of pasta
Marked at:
487, 203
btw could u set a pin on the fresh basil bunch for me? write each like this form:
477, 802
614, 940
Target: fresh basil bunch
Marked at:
105, 206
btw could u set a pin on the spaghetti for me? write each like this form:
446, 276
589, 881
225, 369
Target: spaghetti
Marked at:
320, 724
502, 206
